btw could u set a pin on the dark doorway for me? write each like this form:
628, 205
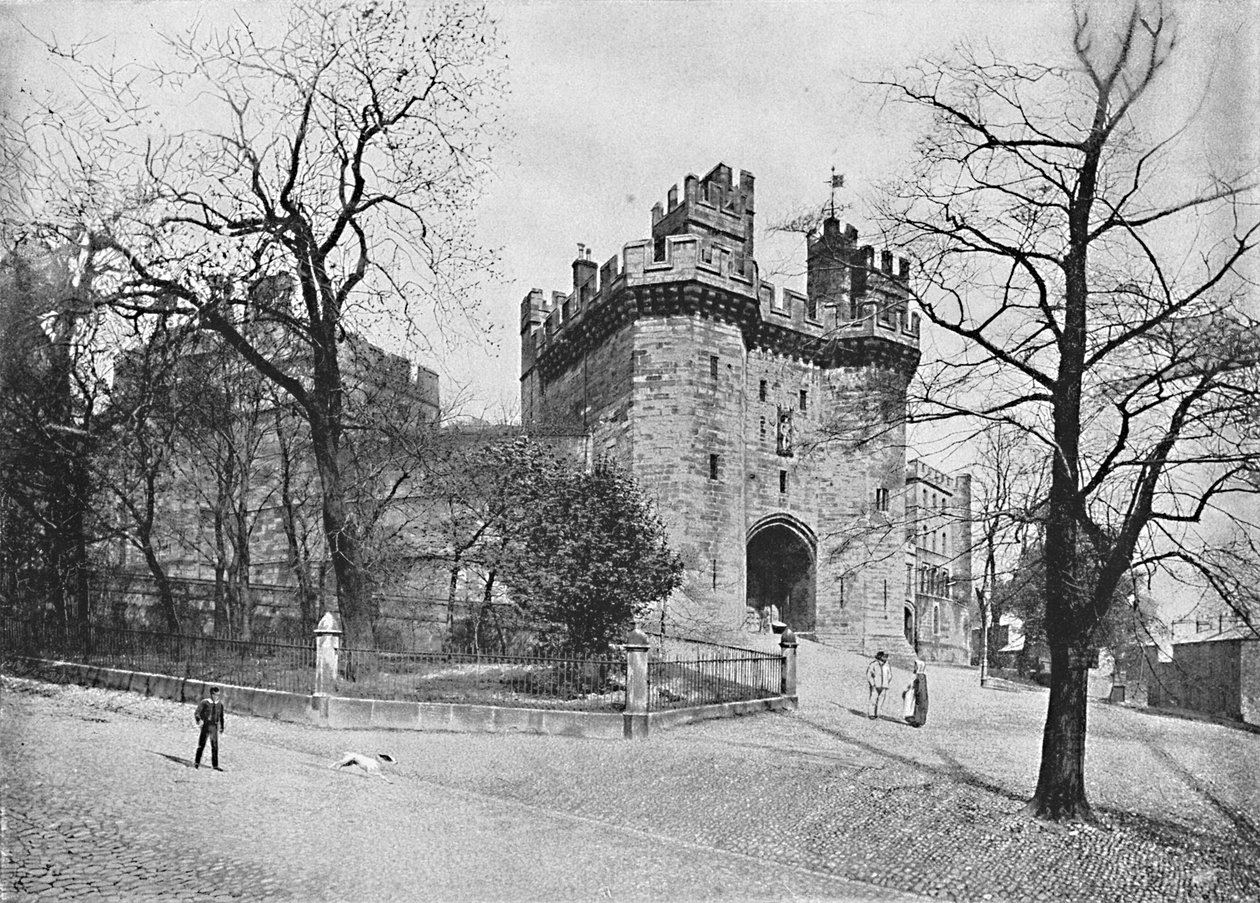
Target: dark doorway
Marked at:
781, 573
909, 628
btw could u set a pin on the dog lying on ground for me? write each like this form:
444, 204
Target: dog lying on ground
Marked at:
365, 765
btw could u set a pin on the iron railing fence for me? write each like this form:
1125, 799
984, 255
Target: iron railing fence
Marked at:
270, 666
697, 672
576, 683
680, 672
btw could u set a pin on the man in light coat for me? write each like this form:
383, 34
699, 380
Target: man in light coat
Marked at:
878, 679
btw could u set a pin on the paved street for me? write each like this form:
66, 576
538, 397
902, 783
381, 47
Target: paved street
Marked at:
100, 800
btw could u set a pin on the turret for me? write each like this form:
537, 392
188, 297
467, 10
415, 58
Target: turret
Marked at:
830, 255
713, 208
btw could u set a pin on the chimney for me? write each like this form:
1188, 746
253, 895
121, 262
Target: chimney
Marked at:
584, 270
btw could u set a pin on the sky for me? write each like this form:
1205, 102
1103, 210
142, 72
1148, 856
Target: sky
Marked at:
612, 103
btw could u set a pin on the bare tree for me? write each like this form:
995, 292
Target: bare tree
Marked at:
341, 153
1098, 294
1008, 486
135, 451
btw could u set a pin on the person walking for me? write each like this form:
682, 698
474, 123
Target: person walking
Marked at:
916, 696
878, 679
209, 715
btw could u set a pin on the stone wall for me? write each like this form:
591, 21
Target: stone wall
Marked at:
688, 451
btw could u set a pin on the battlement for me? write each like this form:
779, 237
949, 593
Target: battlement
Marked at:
704, 239
920, 470
713, 207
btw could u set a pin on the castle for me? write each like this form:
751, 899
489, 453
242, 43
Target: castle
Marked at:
770, 425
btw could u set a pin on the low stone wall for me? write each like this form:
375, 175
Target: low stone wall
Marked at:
346, 713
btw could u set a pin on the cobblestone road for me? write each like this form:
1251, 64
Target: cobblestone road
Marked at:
100, 801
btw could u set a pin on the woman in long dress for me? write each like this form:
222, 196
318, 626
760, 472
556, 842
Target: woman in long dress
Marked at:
917, 694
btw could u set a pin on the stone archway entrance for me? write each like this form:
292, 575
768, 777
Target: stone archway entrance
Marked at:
780, 562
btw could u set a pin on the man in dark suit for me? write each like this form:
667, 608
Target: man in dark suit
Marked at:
210, 716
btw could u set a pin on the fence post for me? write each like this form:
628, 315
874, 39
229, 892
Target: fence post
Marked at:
327, 646
636, 716
787, 642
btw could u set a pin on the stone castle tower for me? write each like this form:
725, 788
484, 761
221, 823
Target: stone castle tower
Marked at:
770, 425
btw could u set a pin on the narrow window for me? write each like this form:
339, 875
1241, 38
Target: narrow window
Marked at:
658, 250
936, 619
715, 573
713, 366
804, 401
713, 467
782, 481
763, 429
881, 499
761, 395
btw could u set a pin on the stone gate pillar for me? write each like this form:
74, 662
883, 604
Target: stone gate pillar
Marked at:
327, 647
636, 716
787, 642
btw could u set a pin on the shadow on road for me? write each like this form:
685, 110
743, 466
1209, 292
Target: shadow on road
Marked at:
179, 760
1247, 828
860, 714
950, 768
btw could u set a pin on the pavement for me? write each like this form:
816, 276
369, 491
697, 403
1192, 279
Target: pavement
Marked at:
100, 802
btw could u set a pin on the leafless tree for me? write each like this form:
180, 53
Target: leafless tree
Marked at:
135, 450
340, 152
1008, 486
1099, 296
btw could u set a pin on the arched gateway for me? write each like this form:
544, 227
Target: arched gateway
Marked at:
780, 565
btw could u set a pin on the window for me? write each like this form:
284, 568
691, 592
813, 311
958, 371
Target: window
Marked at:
763, 429
761, 394
936, 620
715, 573
804, 401
713, 467
782, 481
658, 250
881, 499
713, 366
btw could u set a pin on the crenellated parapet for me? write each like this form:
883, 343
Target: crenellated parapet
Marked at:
699, 262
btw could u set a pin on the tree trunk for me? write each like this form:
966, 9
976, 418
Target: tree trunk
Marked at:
343, 546
985, 622
299, 563
222, 617
166, 598
1060, 792
481, 611
452, 590
1061, 782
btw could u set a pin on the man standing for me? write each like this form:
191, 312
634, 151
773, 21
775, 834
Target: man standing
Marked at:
210, 716
878, 678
